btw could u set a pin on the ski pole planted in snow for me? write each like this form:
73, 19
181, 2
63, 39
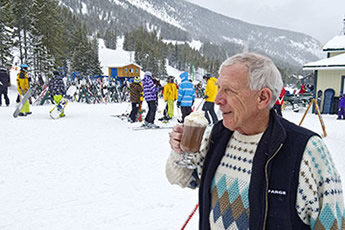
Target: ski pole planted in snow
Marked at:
190, 217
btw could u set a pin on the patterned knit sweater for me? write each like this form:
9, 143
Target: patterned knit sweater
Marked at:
319, 200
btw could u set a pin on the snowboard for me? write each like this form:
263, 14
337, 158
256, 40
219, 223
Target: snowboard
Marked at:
21, 103
140, 112
58, 109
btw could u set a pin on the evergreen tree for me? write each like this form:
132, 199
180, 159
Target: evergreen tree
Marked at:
110, 39
94, 59
5, 33
22, 15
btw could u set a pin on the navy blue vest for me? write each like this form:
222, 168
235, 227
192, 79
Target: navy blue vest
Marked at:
278, 155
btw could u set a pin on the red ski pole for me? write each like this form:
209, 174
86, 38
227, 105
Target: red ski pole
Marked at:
190, 217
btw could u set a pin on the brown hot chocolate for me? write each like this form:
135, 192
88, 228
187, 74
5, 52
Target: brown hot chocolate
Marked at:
191, 138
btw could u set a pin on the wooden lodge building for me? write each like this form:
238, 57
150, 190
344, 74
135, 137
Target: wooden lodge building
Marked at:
330, 72
123, 72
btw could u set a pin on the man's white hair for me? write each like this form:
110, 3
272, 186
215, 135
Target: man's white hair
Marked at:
261, 71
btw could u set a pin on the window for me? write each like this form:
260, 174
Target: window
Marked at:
126, 70
131, 70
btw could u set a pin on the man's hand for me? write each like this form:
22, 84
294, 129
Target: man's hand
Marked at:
175, 138
205, 97
178, 104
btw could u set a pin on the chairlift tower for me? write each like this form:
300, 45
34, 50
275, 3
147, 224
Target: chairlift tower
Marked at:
344, 25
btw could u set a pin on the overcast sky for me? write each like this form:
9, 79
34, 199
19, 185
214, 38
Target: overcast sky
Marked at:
320, 19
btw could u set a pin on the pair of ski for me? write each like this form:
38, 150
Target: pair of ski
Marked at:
125, 116
137, 128
57, 111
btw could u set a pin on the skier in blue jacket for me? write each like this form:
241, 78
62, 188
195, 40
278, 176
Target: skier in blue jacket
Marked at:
186, 95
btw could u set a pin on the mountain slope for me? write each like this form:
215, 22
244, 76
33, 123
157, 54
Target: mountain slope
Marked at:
181, 20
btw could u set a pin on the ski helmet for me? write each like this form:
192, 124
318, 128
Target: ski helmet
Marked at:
24, 67
136, 79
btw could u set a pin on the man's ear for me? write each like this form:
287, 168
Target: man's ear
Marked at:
264, 98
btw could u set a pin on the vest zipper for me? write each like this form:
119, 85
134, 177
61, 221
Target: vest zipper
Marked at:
266, 192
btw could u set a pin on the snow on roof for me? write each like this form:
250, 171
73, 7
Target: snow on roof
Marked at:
336, 62
335, 44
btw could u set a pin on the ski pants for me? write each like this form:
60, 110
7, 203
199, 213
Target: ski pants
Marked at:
134, 112
185, 111
26, 106
3, 91
151, 114
208, 107
57, 99
170, 104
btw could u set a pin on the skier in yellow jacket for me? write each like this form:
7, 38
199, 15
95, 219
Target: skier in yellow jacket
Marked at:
22, 87
170, 96
210, 95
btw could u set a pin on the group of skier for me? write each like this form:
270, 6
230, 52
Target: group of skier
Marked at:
184, 94
148, 89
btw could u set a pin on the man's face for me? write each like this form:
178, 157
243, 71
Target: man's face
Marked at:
236, 101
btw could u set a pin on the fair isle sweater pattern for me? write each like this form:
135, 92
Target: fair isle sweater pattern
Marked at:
230, 185
319, 201
320, 195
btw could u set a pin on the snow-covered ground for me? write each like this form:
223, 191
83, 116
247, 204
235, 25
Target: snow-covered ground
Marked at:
90, 171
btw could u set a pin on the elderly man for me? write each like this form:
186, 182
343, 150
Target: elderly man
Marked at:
256, 170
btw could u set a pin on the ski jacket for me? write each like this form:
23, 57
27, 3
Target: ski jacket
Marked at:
280, 99
186, 91
276, 166
150, 91
22, 82
135, 90
170, 92
56, 86
4, 79
211, 89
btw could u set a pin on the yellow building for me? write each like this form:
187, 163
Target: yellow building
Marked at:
330, 73
125, 71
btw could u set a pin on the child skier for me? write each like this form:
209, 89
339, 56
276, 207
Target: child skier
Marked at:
57, 88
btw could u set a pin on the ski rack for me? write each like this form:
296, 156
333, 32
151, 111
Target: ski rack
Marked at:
318, 113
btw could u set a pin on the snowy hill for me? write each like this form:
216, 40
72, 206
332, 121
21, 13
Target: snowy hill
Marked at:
180, 20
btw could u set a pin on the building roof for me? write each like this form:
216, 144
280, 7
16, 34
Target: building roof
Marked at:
335, 44
333, 63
